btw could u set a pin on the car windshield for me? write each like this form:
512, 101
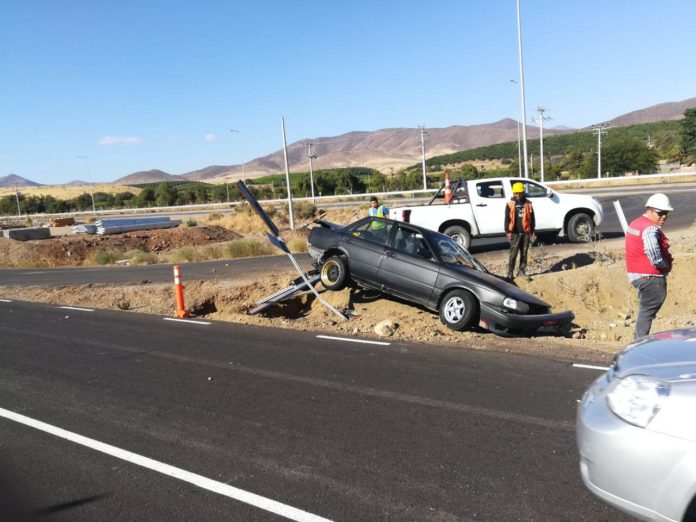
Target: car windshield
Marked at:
452, 252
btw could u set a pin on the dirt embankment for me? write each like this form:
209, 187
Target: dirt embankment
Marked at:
590, 281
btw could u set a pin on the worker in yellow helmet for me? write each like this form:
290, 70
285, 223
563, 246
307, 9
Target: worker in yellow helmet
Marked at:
519, 226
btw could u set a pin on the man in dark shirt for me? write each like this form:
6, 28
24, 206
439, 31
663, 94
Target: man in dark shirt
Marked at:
519, 226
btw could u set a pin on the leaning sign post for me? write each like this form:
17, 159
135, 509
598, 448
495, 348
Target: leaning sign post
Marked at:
274, 237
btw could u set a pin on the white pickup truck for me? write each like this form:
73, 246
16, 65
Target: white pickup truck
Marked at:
477, 209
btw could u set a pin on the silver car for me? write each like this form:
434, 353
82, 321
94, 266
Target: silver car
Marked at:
636, 429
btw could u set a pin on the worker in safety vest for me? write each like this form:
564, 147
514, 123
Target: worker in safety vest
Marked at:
648, 261
376, 209
519, 226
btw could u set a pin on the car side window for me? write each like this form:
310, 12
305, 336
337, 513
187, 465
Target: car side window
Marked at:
375, 230
490, 189
411, 242
533, 190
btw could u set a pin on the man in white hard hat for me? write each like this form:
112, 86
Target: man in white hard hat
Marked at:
648, 260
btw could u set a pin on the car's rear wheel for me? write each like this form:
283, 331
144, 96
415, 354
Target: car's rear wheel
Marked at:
333, 273
459, 309
580, 228
460, 234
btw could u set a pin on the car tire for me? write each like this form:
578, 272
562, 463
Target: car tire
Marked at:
580, 228
458, 310
460, 234
333, 273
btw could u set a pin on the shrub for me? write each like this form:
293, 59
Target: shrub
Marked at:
190, 222
214, 216
249, 247
104, 257
186, 253
305, 210
297, 242
142, 258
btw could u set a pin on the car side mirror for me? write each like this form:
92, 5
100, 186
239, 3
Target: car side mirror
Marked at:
549, 193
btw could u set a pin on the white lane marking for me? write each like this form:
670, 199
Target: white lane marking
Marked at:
192, 478
590, 367
5, 300
351, 340
189, 321
76, 308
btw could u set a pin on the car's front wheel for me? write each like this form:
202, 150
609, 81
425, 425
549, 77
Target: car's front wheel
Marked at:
333, 273
459, 309
580, 228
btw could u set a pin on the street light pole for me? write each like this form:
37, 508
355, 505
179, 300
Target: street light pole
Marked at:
541, 137
89, 175
311, 172
599, 129
519, 146
522, 101
422, 142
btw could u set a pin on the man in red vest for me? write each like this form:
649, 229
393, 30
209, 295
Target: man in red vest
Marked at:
648, 261
519, 225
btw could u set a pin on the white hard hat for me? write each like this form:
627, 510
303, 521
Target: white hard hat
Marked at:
659, 202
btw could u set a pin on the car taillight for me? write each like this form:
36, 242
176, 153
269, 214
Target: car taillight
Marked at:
406, 216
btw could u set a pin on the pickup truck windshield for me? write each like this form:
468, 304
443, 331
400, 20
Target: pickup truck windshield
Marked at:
451, 252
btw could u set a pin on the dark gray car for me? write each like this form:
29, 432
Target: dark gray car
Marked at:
430, 269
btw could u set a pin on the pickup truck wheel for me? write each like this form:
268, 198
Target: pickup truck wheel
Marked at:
459, 234
580, 228
458, 310
333, 273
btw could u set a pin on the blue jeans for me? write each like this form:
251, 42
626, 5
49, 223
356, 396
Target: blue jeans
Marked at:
652, 292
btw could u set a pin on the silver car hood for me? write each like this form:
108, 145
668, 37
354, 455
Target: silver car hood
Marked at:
670, 356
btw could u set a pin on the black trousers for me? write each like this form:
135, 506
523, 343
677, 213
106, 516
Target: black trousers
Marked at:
652, 292
519, 244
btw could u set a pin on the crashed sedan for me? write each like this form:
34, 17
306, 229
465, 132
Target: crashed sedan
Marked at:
430, 269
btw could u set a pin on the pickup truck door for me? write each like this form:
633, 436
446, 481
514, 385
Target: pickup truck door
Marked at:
488, 201
408, 268
547, 211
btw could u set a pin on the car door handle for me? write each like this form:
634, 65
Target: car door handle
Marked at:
389, 253
482, 204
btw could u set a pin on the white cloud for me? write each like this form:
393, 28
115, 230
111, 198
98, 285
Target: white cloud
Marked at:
118, 140
210, 137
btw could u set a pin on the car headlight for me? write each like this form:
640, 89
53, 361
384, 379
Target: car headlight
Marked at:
637, 398
514, 304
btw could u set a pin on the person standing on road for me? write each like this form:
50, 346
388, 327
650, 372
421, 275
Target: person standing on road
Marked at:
648, 261
519, 225
376, 209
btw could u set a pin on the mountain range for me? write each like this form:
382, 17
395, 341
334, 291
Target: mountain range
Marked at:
386, 150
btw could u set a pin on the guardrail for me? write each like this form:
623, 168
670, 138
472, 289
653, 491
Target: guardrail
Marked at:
356, 197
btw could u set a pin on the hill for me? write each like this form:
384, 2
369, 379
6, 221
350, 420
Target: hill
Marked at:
660, 112
148, 176
12, 179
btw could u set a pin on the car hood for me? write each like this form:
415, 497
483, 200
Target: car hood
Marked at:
667, 355
499, 284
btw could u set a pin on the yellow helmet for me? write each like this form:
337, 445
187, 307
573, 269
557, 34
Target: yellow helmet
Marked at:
517, 188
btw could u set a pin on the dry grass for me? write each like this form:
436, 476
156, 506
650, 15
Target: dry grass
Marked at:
62, 192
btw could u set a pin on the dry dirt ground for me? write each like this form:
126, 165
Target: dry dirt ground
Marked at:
587, 279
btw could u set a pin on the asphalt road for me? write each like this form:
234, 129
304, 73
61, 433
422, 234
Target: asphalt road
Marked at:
632, 199
339, 430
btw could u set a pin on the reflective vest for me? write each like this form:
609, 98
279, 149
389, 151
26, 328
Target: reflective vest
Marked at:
637, 261
526, 217
380, 211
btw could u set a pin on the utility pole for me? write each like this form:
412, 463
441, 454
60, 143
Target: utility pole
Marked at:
89, 175
287, 175
19, 209
422, 142
522, 101
599, 129
541, 137
311, 172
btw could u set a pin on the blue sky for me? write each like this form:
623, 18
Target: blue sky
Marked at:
138, 85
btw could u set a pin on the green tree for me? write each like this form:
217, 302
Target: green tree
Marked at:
688, 135
165, 195
620, 156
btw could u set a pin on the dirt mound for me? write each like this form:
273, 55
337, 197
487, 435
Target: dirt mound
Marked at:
75, 250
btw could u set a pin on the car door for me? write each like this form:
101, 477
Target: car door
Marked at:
488, 203
546, 209
408, 268
365, 243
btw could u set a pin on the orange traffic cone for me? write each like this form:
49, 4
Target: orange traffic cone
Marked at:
179, 288
448, 189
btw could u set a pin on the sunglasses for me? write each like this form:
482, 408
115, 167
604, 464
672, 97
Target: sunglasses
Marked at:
662, 213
